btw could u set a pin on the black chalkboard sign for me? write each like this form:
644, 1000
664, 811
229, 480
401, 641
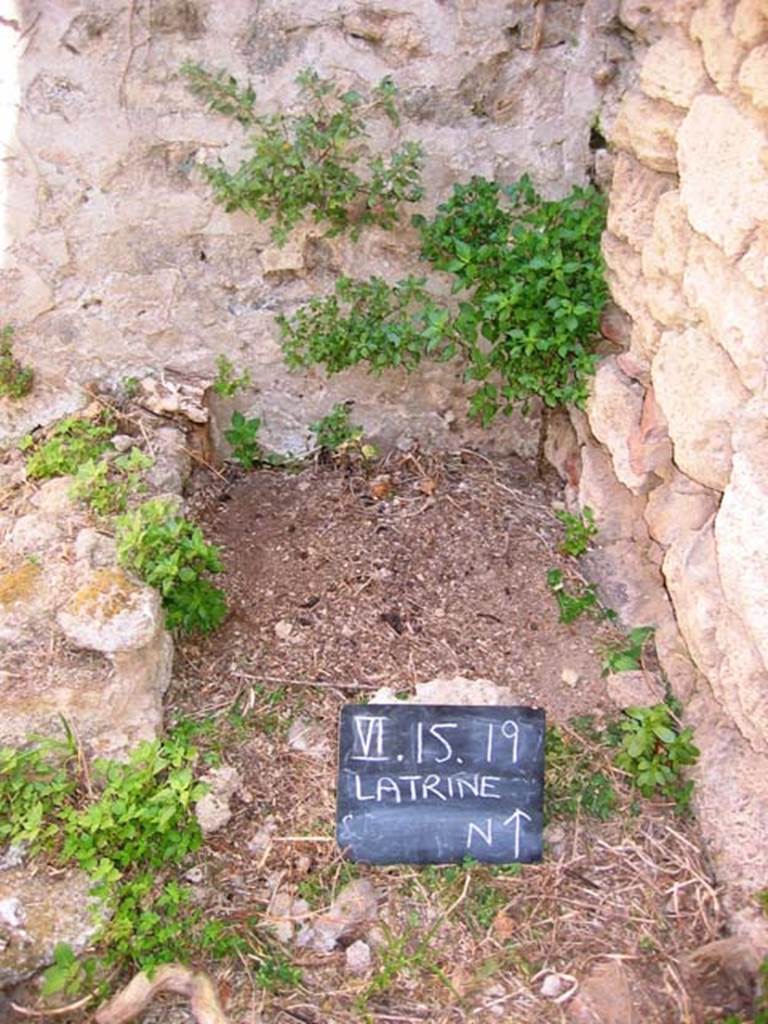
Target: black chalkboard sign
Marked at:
425, 784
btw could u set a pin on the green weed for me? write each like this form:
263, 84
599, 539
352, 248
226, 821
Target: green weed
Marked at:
242, 436
69, 445
16, 380
579, 531
106, 485
628, 656
228, 382
573, 604
316, 163
572, 783
654, 751
532, 276
335, 430
170, 553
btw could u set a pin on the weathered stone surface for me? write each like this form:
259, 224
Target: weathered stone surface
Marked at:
111, 612
630, 584
742, 556
750, 22
617, 510
699, 392
735, 312
648, 128
634, 689
561, 447
666, 302
673, 70
614, 409
679, 505
308, 737
213, 810
732, 805
38, 910
649, 447
635, 192
665, 251
353, 911
450, 690
723, 52
357, 958
753, 76
693, 582
723, 180
754, 263
604, 997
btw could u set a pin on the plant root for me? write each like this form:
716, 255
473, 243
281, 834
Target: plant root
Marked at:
140, 990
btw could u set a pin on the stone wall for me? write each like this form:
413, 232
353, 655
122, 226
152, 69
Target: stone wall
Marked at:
673, 451
119, 261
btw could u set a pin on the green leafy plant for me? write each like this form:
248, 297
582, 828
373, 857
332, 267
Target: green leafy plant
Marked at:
579, 531
242, 436
107, 485
67, 973
128, 825
531, 274
573, 604
372, 321
70, 444
315, 162
335, 430
228, 382
170, 553
130, 386
16, 380
573, 783
628, 656
654, 751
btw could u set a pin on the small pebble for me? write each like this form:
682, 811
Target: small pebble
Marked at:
570, 676
358, 957
552, 986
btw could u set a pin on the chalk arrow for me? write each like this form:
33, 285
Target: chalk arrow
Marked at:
516, 819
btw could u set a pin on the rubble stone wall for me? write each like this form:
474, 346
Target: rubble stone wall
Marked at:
672, 453
119, 261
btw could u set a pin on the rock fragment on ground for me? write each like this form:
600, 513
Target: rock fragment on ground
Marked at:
39, 910
308, 737
450, 690
358, 957
213, 810
355, 908
604, 997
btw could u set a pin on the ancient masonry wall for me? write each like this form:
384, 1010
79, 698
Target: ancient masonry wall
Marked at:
672, 453
119, 262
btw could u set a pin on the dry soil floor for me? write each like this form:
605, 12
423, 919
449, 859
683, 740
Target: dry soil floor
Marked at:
342, 581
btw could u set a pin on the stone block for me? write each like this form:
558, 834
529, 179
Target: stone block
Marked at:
699, 392
618, 512
741, 531
732, 309
111, 612
665, 251
678, 506
650, 451
750, 22
39, 909
666, 302
693, 582
754, 263
634, 194
723, 52
648, 128
753, 76
723, 179
614, 409
673, 69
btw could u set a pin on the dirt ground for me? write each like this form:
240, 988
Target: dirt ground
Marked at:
341, 582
